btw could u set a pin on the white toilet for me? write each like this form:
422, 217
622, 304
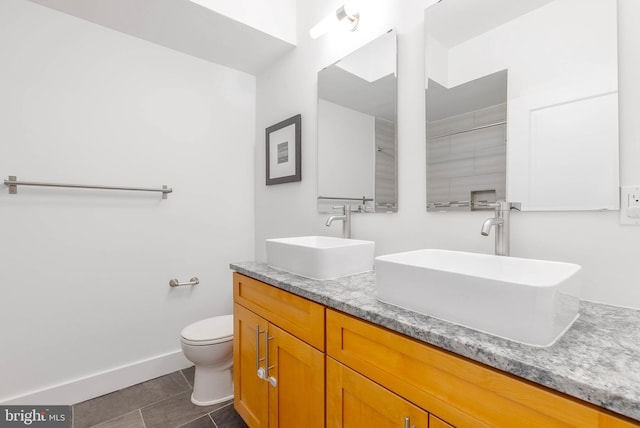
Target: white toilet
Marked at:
209, 345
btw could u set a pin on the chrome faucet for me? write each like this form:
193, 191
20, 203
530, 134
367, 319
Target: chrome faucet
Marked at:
501, 223
345, 217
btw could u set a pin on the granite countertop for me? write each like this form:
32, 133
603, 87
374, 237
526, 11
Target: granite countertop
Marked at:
597, 360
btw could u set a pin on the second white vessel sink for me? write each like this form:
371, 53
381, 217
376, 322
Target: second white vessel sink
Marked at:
320, 257
526, 300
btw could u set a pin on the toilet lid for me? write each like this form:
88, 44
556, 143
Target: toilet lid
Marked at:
215, 328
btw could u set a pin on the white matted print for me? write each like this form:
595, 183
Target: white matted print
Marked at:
283, 151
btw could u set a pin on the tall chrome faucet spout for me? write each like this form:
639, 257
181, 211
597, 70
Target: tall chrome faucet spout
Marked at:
334, 217
345, 218
489, 223
502, 225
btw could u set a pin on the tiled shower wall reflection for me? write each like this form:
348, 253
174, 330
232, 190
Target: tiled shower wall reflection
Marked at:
467, 153
386, 173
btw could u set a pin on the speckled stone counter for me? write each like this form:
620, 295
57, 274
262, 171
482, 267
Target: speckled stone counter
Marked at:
597, 360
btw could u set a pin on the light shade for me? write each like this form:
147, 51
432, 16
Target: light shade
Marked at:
346, 14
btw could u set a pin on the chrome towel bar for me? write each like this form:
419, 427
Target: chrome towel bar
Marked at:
13, 184
175, 283
363, 199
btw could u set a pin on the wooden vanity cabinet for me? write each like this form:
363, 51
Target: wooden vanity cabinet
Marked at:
452, 388
279, 377
375, 378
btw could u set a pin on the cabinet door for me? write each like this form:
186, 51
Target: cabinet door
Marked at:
296, 382
250, 392
353, 401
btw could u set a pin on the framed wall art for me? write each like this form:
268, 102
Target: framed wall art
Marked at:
283, 151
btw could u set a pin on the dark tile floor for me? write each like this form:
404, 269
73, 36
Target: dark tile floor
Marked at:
164, 402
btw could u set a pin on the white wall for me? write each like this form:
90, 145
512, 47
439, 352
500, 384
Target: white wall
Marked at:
348, 139
607, 251
85, 273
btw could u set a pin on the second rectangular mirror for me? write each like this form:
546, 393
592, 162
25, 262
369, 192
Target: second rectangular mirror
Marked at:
522, 104
357, 144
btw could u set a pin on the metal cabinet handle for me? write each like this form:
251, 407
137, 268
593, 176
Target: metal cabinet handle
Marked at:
272, 380
259, 370
407, 423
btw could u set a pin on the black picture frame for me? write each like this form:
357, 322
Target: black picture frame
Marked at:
283, 156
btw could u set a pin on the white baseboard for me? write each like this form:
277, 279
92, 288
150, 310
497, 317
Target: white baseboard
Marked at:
98, 384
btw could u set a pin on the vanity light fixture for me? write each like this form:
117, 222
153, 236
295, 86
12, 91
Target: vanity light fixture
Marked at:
347, 15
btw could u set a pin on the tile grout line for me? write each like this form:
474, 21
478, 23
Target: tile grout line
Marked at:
207, 414
164, 399
116, 417
144, 425
196, 418
185, 378
189, 387
193, 420
230, 403
210, 414
148, 405
212, 420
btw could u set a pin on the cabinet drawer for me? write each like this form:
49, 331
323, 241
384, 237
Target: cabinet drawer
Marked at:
458, 390
299, 316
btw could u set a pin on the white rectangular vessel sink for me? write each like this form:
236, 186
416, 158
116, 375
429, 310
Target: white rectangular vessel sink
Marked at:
320, 257
525, 300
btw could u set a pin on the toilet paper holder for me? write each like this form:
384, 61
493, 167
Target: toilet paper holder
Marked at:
175, 283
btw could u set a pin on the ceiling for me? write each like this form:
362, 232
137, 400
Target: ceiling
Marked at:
183, 26
364, 80
375, 98
452, 22
483, 92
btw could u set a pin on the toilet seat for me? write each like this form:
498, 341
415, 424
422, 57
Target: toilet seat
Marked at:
209, 331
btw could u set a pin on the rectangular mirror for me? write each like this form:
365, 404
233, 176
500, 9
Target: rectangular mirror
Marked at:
357, 143
540, 75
